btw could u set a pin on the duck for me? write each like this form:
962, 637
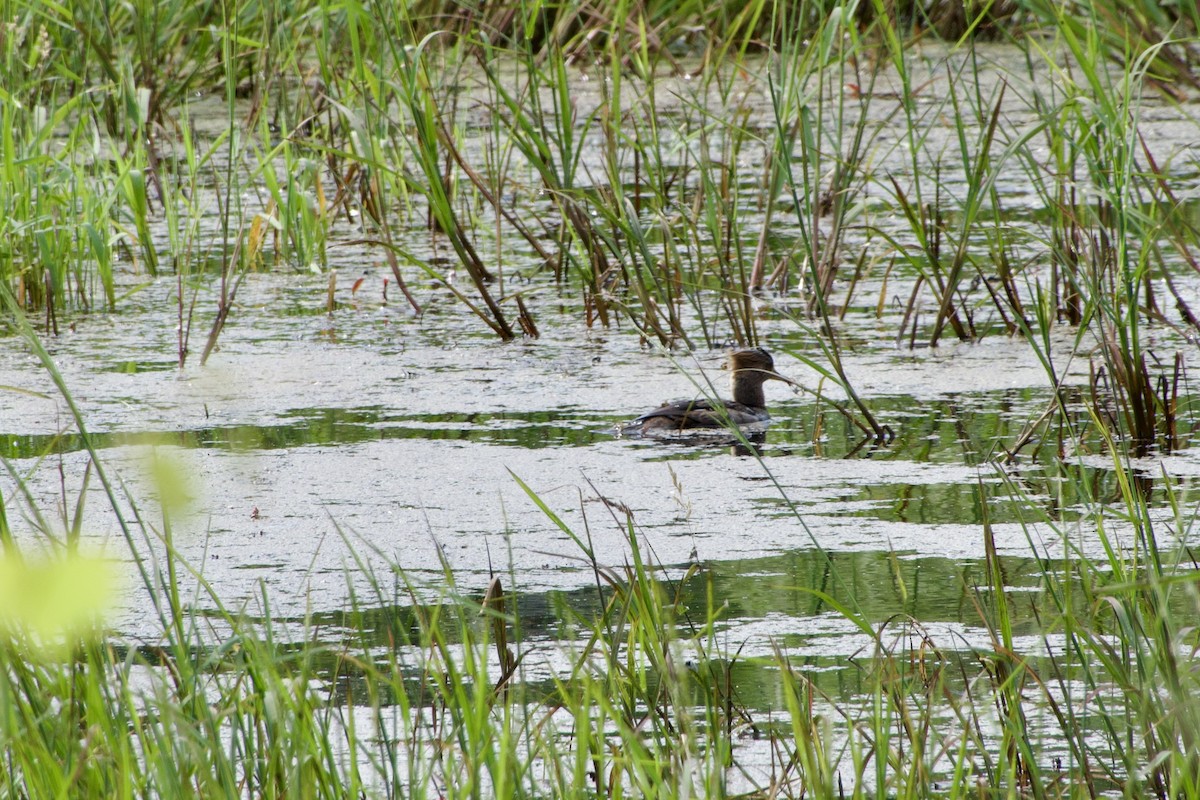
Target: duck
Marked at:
749, 369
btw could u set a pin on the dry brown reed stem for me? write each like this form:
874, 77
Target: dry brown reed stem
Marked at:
372, 205
761, 250
51, 316
947, 311
490, 197
525, 319
1180, 231
929, 220
1128, 392
493, 606
228, 295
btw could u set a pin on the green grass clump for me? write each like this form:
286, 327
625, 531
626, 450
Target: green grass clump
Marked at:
449, 136
689, 170
415, 690
420, 692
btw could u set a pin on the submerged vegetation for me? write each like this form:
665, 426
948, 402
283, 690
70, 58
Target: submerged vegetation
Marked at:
698, 174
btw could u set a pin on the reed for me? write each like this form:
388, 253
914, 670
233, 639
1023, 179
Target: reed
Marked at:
1103, 277
436, 690
662, 213
669, 232
1161, 33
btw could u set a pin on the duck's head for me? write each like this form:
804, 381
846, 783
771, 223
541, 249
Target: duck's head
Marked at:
750, 368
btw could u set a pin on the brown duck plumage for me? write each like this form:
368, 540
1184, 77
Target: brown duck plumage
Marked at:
749, 370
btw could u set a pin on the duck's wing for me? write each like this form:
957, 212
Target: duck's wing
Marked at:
681, 414
741, 414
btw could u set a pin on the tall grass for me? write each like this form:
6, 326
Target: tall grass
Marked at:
664, 212
441, 691
690, 215
681, 212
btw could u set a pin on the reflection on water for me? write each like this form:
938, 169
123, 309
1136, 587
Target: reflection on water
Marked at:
774, 606
966, 429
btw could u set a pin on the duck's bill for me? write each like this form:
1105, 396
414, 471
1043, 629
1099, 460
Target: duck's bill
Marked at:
776, 376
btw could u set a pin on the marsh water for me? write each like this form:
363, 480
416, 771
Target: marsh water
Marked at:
317, 445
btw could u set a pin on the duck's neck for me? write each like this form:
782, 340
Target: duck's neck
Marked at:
748, 389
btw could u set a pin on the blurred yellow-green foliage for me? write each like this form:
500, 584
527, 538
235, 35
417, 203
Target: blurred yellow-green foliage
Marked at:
171, 481
55, 600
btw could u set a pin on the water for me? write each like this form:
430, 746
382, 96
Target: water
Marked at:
306, 432
315, 443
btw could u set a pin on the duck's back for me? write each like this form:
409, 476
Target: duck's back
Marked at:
702, 413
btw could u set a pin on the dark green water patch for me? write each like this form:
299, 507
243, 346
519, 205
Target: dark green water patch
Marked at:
134, 367
760, 609
875, 584
958, 428
531, 430
971, 429
335, 426
920, 503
